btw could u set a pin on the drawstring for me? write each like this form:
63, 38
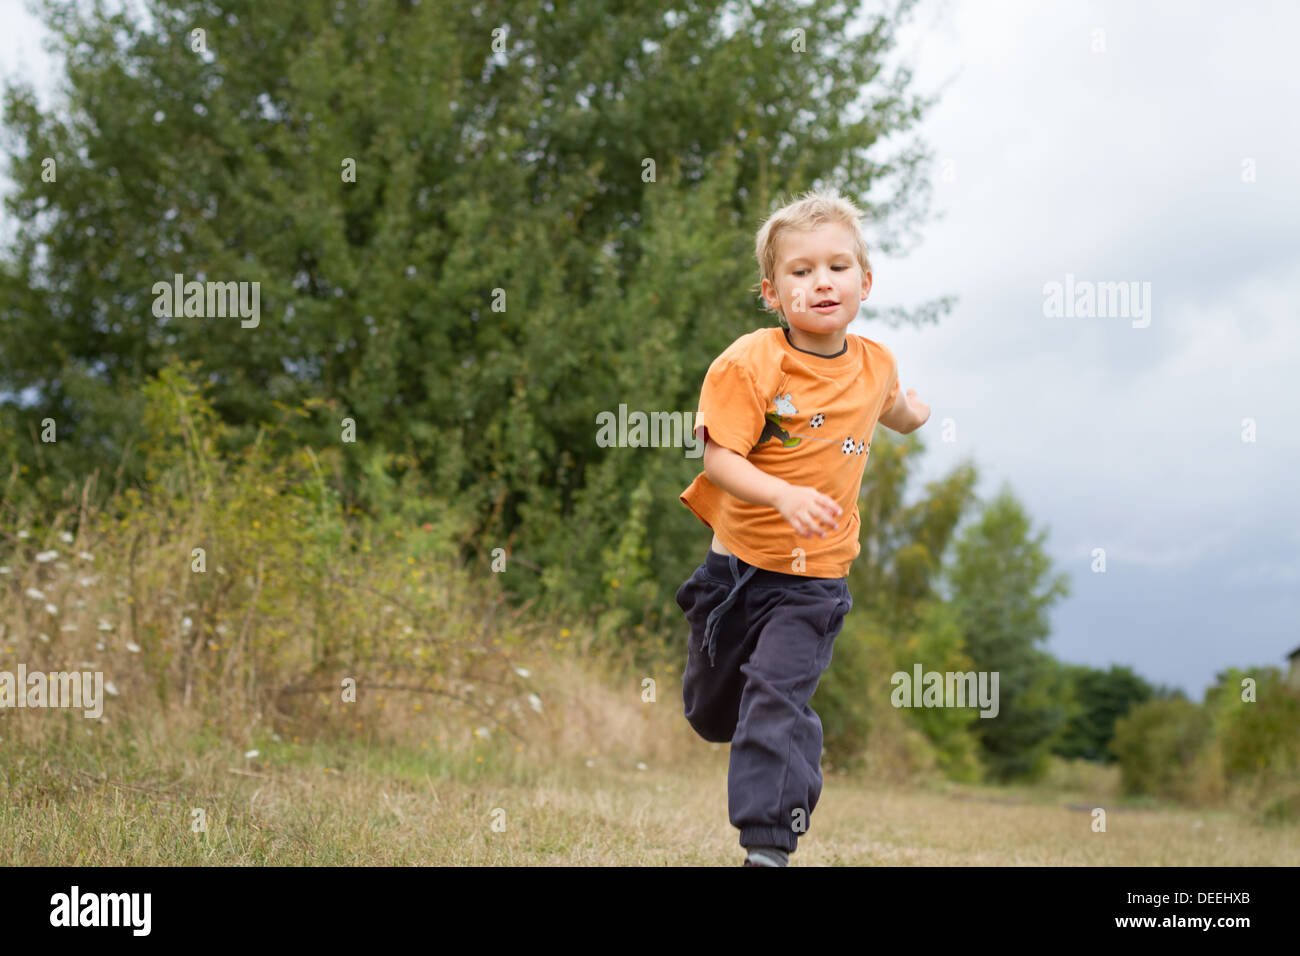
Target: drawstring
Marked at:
715, 616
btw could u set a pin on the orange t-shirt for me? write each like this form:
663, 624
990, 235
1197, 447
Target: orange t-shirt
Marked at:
803, 417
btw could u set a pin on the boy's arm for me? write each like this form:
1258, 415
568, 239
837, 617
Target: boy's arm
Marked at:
805, 508
908, 414
738, 476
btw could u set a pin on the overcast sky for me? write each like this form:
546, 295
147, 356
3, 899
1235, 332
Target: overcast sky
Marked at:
1124, 164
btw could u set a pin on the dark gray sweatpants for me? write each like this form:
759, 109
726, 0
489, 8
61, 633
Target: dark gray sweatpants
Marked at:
760, 641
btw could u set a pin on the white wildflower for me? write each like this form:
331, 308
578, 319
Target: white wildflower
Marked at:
99, 645
68, 627
44, 637
251, 754
35, 595
104, 625
110, 688
483, 732
640, 766
52, 610
47, 556
24, 534
535, 702
86, 556
133, 647
523, 672
591, 763
186, 624
67, 538
4, 569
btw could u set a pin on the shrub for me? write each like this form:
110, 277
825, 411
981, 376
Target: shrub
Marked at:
1158, 745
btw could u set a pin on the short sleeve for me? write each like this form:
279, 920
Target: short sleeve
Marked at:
731, 409
891, 394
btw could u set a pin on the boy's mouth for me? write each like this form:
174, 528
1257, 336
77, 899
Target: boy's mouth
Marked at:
825, 306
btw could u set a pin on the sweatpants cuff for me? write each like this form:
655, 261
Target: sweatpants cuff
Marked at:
768, 836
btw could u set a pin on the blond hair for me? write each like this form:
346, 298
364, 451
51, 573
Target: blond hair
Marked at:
814, 208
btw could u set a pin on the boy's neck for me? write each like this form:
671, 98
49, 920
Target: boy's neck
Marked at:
828, 346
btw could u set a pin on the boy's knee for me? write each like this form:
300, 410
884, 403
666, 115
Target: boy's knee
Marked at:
713, 731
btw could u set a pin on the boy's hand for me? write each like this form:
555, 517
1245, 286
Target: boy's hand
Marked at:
807, 509
922, 410
907, 415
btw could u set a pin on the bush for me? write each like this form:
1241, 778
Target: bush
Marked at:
1257, 725
238, 588
1161, 747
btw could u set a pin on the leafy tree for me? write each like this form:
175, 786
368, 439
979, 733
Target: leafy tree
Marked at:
1102, 697
899, 617
1002, 592
504, 264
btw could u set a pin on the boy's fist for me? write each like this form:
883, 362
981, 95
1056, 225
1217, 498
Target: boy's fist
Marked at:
807, 509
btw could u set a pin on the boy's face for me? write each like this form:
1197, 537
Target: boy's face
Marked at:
815, 266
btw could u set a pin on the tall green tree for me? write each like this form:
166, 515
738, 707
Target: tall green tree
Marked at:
904, 545
1002, 589
474, 228
899, 616
1101, 698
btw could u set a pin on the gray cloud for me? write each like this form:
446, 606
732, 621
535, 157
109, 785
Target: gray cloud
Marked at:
1122, 165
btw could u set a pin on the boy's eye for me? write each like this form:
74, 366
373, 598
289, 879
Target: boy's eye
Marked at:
800, 272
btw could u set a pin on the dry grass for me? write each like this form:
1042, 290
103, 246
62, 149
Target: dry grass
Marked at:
604, 779
513, 744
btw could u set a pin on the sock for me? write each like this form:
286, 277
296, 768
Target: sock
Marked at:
769, 855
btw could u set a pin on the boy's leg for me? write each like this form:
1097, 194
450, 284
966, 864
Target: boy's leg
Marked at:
712, 684
775, 779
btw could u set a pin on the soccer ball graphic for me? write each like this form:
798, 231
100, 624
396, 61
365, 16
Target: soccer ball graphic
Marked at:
848, 446
817, 420
861, 447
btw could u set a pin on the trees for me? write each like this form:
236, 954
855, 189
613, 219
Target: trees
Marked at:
1001, 591
474, 227
1100, 698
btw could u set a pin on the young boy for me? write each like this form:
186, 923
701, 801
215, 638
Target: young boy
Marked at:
787, 416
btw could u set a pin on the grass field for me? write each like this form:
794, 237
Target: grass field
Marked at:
127, 798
